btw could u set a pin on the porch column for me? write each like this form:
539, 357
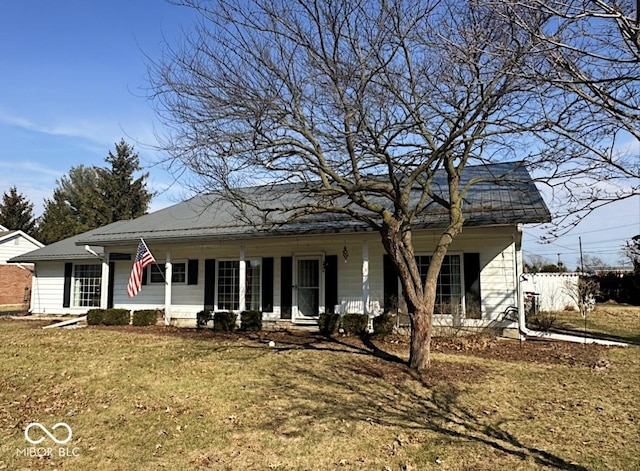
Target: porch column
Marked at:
365, 277
167, 288
104, 282
242, 282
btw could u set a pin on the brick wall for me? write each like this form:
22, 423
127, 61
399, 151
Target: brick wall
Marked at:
15, 285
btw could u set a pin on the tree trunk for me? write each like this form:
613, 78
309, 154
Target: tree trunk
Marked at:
420, 352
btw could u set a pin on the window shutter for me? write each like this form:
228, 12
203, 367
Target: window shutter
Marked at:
209, 283
390, 282
330, 282
286, 286
192, 272
66, 294
267, 284
472, 295
145, 276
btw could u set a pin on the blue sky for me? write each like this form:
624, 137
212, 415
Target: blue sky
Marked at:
73, 83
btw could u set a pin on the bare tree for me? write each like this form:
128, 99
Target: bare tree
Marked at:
593, 48
592, 263
631, 253
583, 292
360, 103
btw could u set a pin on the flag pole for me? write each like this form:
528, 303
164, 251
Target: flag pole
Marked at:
154, 261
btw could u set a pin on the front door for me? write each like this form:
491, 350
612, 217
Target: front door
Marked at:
308, 287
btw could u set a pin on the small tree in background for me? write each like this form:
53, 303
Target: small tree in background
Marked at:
592, 263
632, 252
583, 293
16, 212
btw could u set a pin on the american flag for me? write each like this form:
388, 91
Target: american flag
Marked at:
143, 259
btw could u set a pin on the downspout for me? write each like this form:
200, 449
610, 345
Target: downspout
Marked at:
536, 334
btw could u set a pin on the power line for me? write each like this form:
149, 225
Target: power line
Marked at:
602, 230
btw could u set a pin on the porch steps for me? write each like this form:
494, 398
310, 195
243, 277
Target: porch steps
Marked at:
310, 326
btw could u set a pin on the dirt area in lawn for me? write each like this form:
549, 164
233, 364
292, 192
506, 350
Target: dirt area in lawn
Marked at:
396, 348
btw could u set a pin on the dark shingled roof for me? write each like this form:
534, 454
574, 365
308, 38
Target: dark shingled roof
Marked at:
496, 201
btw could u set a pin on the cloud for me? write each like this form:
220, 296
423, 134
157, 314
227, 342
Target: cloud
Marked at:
30, 168
99, 130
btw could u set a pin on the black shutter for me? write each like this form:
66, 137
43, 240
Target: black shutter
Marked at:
472, 295
390, 284
145, 276
330, 282
66, 294
267, 284
192, 272
286, 285
112, 277
209, 283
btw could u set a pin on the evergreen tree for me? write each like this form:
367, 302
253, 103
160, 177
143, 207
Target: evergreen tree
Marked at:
123, 196
16, 212
91, 197
71, 210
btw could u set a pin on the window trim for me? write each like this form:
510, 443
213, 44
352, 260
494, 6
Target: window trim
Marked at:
160, 266
241, 283
460, 255
76, 295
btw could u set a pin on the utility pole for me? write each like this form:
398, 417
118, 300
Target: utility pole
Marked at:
581, 260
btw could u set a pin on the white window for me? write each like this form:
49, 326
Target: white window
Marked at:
86, 285
252, 297
228, 285
158, 270
449, 288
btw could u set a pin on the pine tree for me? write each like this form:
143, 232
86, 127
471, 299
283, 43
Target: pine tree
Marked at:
16, 212
91, 197
123, 196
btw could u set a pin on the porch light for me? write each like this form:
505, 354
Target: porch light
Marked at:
345, 254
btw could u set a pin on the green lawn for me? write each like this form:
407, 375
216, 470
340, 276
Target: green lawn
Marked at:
174, 399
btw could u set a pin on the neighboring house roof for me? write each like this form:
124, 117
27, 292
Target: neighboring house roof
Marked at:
66, 249
493, 201
6, 234
15, 243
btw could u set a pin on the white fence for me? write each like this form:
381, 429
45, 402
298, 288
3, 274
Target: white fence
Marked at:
554, 289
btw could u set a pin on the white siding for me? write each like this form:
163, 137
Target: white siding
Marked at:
14, 246
47, 289
496, 246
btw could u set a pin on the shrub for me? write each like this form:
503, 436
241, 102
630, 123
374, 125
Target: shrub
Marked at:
202, 318
544, 320
328, 323
94, 316
355, 324
384, 324
251, 320
145, 317
224, 321
116, 317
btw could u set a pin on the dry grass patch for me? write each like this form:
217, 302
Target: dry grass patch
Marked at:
179, 399
613, 321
